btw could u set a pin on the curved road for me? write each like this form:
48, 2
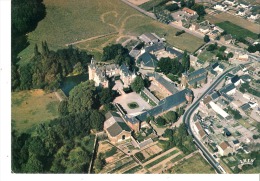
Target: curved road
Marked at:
187, 120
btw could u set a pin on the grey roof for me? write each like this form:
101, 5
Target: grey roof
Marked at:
229, 75
155, 47
149, 37
114, 124
151, 96
235, 79
165, 104
215, 95
221, 66
246, 77
196, 73
245, 106
235, 70
215, 65
134, 53
213, 72
198, 79
168, 85
227, 37
222, 102
227, 88
227, 97
125, 70
235, 141
148, 60
145, 143
173, 51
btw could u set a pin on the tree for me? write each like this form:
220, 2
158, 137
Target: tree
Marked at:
106, 96
190, 3
230, 55
196, 85
82, 97
14, 77
63, 108
168, 133
165, 65
199, 9
138, 84
206, 38
183, 3
25, 77
171, 116
160, 121
34, 165
99, 163
97, 120
186, 61
140, 156
172, 7
222, 48
212, 47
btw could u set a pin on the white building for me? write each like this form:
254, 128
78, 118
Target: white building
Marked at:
241, 13
220, 7
218, 109
254, 16
229, 89
230, 2
243, 5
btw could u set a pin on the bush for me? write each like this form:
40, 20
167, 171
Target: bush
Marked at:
111, 152
160, 121
140, 156
179, 32
206, 38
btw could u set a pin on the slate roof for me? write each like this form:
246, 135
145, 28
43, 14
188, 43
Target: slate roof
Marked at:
215, 95
114, 124
245, 106
235, 141
198, 79
151, 96
213, 72
165, 104
215, 65
196, 73
125, 70
227, 97
246, 78
134, 53
227, 88
229, 75
235, 79
168, 85
148, 60
173, 51
155, 47
149, 37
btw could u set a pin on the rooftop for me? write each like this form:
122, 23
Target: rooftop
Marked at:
148, 60
227, 88
155, 47
196, 73
168, 85
224, 145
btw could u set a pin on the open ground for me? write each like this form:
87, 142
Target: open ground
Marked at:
187, 166
32, 107
92, 25
234, 19
138, 2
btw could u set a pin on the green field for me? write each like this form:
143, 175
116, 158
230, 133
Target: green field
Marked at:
98, 24
235, 30
150, 4
30, 108
206, 56
196, 165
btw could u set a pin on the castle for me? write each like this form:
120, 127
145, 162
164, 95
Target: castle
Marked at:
101, 74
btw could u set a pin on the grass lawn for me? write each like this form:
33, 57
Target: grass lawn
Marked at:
133, 105
234, 19
206, 56
30, 108
196, 164
235, 30
67, 22
244, 123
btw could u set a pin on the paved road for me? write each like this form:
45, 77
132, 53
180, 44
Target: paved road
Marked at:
187, 120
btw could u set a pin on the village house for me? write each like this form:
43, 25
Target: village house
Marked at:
220, 7
147, 61
253, 16
115, 127
230, 2
150, 38
199, 130
235, 80
229, 89
224, 148
219, 110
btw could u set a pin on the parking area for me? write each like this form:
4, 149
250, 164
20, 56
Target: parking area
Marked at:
125, 99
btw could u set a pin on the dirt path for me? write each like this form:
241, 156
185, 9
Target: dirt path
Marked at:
58, 96
92, 38
159, 156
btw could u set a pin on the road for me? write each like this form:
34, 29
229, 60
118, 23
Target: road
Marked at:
187, 120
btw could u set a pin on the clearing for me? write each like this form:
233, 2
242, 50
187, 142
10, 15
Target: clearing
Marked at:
92, 25
32, 107
234, 19
138, 2
196, 164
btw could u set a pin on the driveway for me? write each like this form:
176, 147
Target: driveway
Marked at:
125, 99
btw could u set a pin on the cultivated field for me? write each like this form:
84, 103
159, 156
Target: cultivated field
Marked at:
234, 19
32, 107
92, 25
196, 164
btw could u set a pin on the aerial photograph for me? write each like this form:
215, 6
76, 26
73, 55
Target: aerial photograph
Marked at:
135, 87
